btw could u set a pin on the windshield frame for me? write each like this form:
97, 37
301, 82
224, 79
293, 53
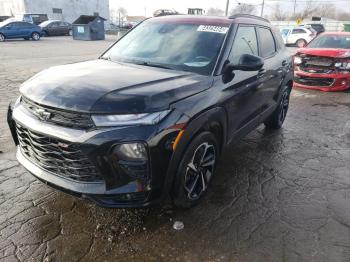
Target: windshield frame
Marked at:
216, 62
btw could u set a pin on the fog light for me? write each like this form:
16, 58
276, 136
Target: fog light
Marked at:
130, 152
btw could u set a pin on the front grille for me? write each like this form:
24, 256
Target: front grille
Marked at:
57, 156
313, 81
59, 117
319, 65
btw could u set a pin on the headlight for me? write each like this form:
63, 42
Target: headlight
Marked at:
297, 60
342, 65
132, 151
129, 119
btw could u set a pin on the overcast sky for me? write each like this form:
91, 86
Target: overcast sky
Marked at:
147, 7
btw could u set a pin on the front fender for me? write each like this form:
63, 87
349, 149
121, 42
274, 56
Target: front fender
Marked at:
203, 122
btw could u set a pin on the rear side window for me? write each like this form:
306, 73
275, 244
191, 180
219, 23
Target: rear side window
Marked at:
298, 31
267, 42
245, 43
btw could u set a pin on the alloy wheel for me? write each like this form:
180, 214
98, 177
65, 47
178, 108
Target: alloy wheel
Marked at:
199, 171
35, 36
2, 38
284, 106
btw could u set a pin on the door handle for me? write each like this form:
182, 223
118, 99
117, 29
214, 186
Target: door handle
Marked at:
261, 73
284, 63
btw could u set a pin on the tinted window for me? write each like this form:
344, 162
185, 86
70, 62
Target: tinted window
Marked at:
245, 43
267, 42
298, 31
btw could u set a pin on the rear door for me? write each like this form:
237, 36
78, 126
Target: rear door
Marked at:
242, 92
271, 74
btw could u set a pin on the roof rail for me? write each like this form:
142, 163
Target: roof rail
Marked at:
249, 16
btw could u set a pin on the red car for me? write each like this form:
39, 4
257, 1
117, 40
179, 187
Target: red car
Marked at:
324, 64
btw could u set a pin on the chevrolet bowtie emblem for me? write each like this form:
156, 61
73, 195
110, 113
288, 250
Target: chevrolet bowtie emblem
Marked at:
42, 114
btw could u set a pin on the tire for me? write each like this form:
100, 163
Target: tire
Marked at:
275, 121
45, 34
300, 43
70, 32
2, 38
35, 36
195, 171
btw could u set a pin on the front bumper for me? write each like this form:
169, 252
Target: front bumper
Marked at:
322, 82
115, 189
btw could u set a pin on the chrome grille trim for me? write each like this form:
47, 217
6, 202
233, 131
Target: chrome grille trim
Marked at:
68, 162
59, 117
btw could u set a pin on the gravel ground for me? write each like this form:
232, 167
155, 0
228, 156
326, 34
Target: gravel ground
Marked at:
277, 196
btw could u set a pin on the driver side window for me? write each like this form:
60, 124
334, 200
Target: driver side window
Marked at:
245, 43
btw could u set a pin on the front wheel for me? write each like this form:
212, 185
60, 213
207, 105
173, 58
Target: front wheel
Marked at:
301, 43
35, 36
275, 121
2, 38
195, 171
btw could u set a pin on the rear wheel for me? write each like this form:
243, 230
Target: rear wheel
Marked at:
301, 43
2, 38
35, 36
275, 121
195, 171
45, 33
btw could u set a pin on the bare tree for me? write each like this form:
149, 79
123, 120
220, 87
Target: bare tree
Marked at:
278, 14
242, 8
313, 8
327, 10
343, 16
215, 11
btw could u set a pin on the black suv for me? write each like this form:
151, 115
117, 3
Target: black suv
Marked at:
147, 121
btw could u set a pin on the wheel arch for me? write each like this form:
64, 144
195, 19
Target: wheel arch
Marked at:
213, 120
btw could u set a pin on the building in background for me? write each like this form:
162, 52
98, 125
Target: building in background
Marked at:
67, 10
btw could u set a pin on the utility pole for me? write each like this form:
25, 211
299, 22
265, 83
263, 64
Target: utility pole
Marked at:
227, 5
262, 8
295, 5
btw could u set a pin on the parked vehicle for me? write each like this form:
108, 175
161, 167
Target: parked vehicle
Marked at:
4, 17
298, 36
319, 28
325, 63
150, 118
56, 27
36, 19
10, 30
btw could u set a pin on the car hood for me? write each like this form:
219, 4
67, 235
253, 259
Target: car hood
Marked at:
326, 52
101, 86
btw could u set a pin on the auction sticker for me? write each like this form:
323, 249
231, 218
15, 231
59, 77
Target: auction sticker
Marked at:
213, 29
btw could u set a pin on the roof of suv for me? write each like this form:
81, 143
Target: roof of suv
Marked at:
239, 18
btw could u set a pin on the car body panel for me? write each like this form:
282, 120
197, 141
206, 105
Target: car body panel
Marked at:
18, 29
230, 108
97, 87
312, 78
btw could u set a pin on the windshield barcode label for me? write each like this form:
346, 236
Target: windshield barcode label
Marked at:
213, 29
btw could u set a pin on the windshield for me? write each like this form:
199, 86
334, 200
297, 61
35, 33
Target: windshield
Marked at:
174, 45
43, 24
331, 41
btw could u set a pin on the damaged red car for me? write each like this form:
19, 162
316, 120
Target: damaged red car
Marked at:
324, 64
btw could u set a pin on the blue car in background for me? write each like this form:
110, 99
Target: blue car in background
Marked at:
10, 29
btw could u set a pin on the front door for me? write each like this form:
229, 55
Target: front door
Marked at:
243, 94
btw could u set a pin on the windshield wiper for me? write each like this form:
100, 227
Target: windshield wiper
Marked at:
144, 63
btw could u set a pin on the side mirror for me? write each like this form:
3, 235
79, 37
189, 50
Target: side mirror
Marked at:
246, 62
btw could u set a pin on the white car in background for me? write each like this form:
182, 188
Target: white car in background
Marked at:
299, 36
